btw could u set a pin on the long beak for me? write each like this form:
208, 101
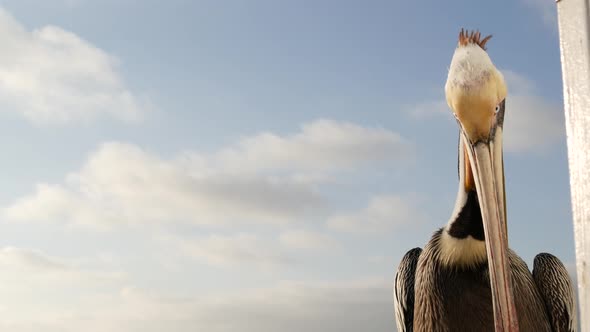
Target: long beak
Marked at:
488, 172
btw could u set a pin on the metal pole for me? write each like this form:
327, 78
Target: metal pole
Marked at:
574, 39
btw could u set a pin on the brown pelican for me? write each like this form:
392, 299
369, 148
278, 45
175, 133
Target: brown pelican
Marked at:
466, 278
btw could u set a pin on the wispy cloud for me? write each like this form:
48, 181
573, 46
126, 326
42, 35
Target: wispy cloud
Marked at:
255, 181
36, 267
532, 122
382, 213
232, 250
19, 258
52, 76
320, 146
289, 306
308, 240
43, 292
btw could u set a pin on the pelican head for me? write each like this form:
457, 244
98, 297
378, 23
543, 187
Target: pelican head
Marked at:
475, 91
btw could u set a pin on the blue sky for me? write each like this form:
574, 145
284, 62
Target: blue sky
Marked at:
251, 165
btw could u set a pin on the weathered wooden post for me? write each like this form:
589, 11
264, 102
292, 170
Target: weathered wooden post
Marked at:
574, 37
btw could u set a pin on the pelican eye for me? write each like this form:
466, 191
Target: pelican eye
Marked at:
497, 108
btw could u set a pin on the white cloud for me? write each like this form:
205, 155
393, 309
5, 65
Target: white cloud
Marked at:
382, 213
52, 76
124, 184
322, 145
40, 290
47, 293
241, 249
363, 305
531, 121
307, 240
311, 306
82, 300
35, 267
18, 258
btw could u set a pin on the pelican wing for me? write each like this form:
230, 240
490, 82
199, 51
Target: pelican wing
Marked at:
404, 290
555, 286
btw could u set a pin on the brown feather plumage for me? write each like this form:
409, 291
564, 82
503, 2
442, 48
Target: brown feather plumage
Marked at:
473, 37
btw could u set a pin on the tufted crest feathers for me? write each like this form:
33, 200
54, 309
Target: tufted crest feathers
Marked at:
467, 37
